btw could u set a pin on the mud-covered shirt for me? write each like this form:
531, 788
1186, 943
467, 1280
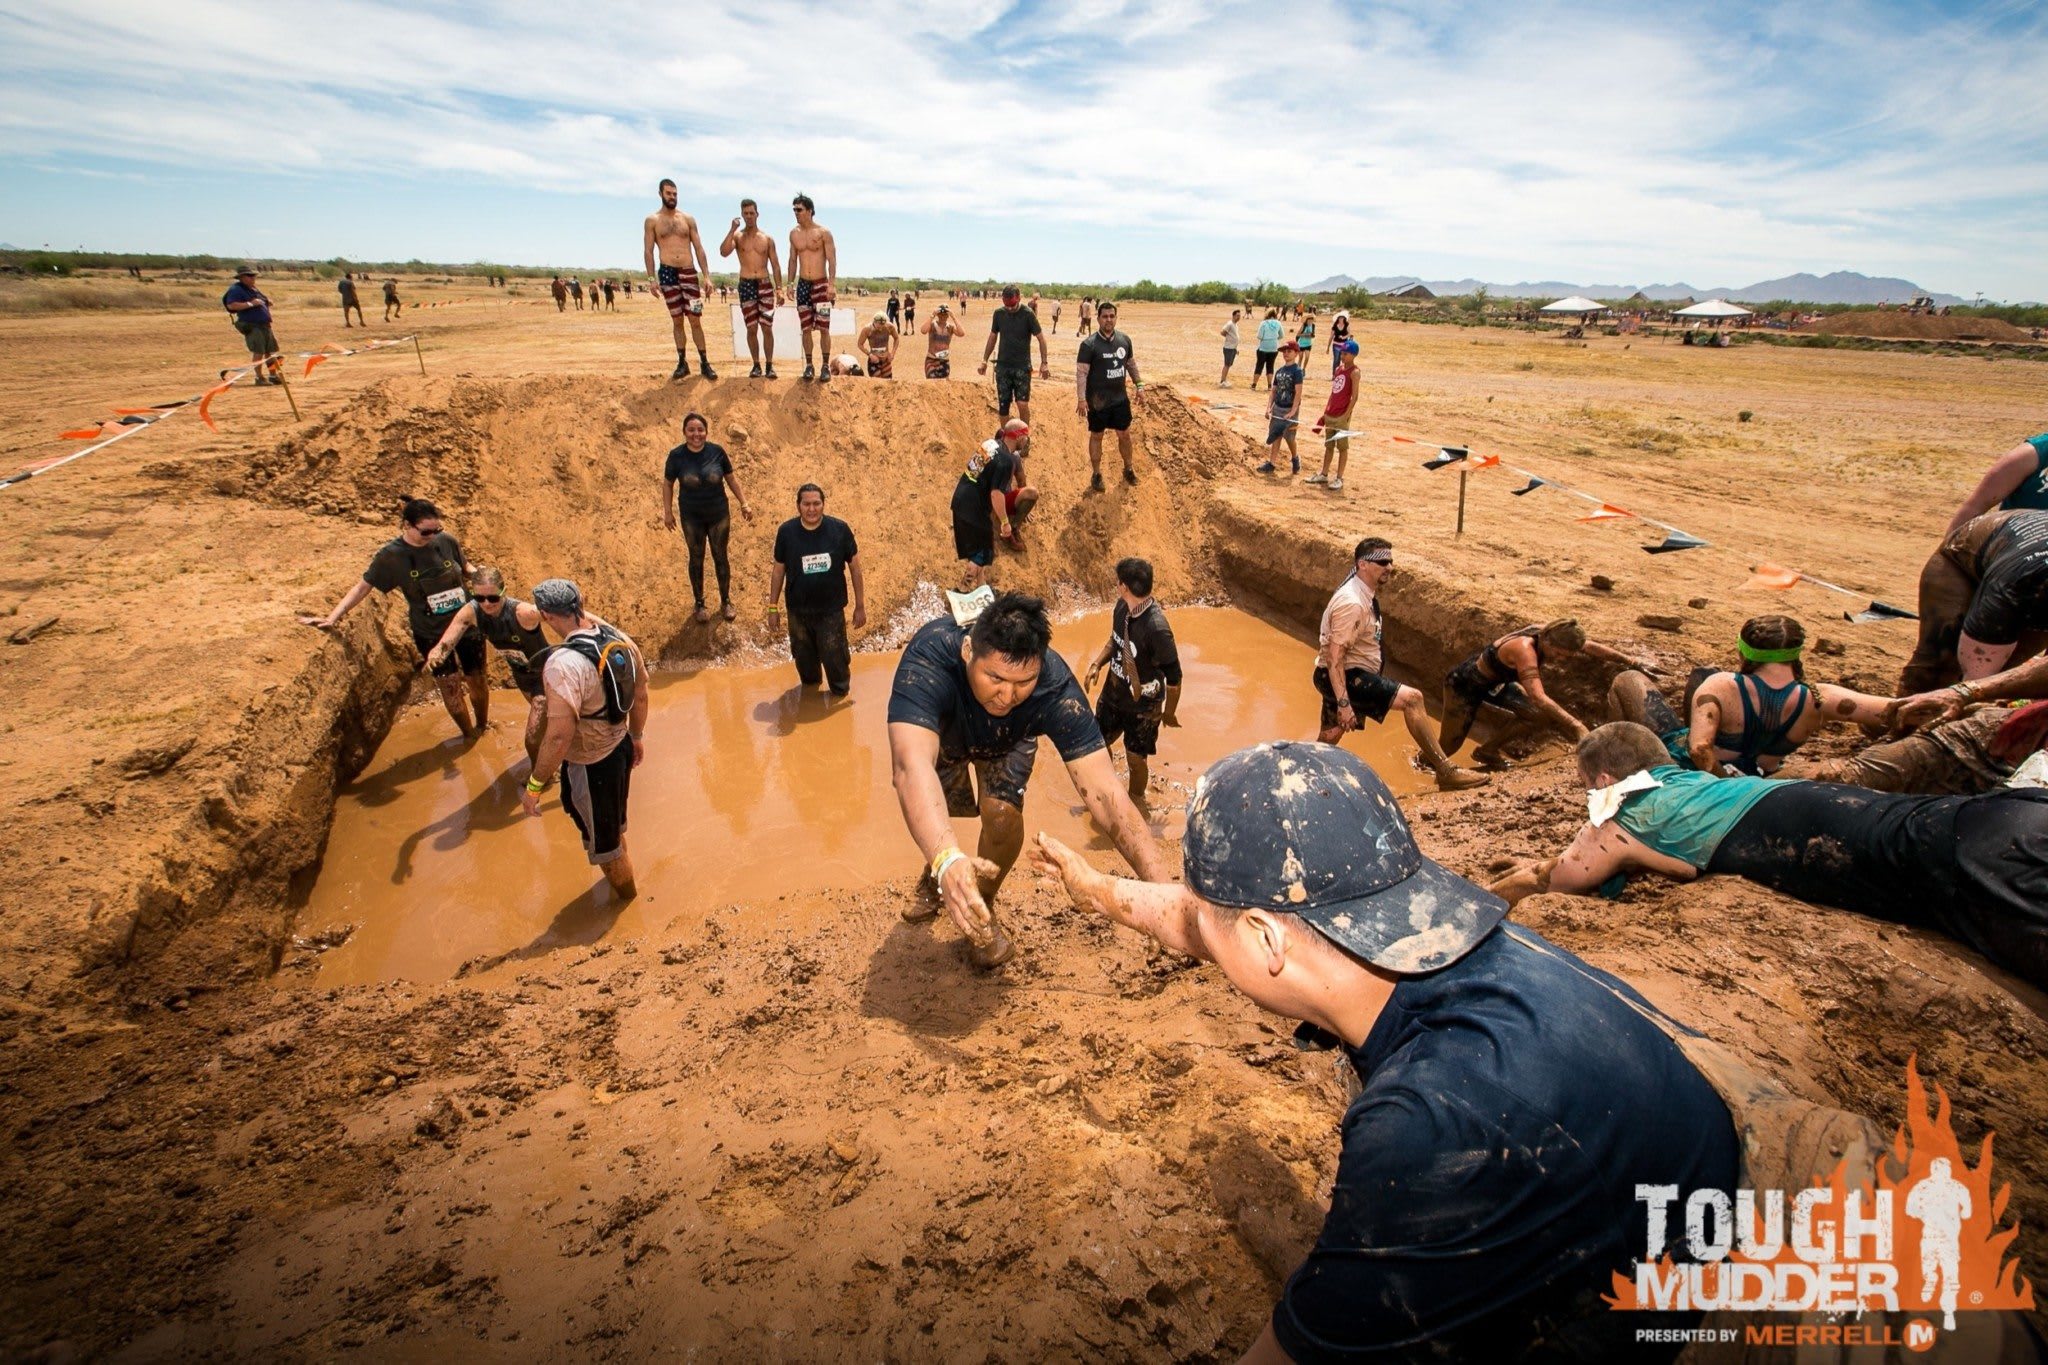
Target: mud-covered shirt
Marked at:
524, 649
931, 690
429, 575
1107, 359
2012, 581
814, 563
699, 477
1158, 657
991, 469
1013, 329
1485, 1190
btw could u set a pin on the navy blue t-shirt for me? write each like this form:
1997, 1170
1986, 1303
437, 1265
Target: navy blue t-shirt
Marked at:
1486, 1189
242, 293
931, 690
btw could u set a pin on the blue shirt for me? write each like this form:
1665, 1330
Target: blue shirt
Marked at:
1269, 335
1689, 816
1512, 1102
2032, 494
242, 293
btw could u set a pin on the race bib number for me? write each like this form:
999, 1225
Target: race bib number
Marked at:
817, 563
445, 601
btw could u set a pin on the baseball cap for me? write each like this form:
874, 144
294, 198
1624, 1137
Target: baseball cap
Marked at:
1290, 345
1349, 348
558, 596
1310, 829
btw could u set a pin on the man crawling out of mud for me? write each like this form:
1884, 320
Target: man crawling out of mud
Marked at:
1974, 868
1513, 1098
978, 697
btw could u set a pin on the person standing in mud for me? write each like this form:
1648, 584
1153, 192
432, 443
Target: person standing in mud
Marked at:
1511, 1098
679, 274
965, 712
694, 483
814, 556
814, 256
425, 564
596, 685
1348, 654
514, 628
760, 285
1143, 689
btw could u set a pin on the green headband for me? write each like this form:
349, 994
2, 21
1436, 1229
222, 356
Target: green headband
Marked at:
1767, 656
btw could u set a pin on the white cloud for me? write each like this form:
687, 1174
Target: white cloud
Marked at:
1617, 146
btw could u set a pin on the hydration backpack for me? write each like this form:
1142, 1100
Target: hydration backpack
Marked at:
616, 674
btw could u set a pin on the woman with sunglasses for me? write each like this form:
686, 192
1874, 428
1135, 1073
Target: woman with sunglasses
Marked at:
513, 627
695, 481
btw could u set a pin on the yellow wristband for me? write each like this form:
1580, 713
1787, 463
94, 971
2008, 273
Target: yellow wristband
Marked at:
944, 859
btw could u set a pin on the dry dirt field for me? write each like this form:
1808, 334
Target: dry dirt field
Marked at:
796, 1129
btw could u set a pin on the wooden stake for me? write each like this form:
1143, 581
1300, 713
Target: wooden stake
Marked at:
289, 397
1462, 474
416, 353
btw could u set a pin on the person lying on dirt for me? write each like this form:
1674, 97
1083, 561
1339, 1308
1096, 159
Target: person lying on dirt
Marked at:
513, 627
1958, 744
1750, 720
2017, 481
1512, 1097
425, 564
1508, 676
977, 698
1983, 601
1974, 868
1348, 647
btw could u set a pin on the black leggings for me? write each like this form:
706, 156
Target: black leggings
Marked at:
1263, 364
696, 534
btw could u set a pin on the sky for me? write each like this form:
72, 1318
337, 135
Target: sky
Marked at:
1082, 140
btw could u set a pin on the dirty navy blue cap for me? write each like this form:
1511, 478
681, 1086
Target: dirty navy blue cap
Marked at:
1311, 830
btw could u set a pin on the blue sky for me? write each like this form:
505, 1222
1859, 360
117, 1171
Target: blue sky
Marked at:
1086, 139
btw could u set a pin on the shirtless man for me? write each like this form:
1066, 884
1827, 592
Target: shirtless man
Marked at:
760, 285
815, 258
680, 278
938, 342
878, 339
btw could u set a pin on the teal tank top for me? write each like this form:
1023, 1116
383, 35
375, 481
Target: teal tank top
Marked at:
1691, 813
2032, 494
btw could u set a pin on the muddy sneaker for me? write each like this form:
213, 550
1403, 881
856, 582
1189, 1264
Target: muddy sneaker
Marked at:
1267, 468
1095, 484
1130, 476
1336, 485
924, 903
993, 953
1313, 478
1456, 779
682, 370
810, 371
704, 368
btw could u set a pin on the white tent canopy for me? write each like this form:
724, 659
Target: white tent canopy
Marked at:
1575, 305
1714, 308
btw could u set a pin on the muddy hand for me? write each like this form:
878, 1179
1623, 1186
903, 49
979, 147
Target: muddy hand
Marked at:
1927, 708
1086, 887
961, 890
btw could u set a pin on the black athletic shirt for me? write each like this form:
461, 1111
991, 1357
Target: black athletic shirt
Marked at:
1106, 359
1158, 657
991, 469
1015, 330
814, 563
429, 575
1972, 867
700, 481
931, 690
524, 649
1485, 1192
2012, 582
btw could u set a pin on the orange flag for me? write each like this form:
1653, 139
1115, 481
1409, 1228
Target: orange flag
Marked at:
311, 361
83, 434
206, 401
1607, 511
1405, 440
1775, 576
1483, 461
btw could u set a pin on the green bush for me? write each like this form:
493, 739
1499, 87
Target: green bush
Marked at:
1209, 291
1147, 291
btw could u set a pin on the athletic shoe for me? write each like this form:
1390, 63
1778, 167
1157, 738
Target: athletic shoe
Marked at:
1095, 484
1297, 465
769, 373
1268, 468
810, 371
704, 368
1130, 476
1454, 779
1313, 478
755, 373
1336, 485
682, 370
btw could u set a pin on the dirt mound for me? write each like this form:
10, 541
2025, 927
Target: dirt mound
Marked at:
563, 476
1878, 322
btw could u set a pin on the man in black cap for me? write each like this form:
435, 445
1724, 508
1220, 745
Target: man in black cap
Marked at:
1015, 327
978, 697
1513, 1098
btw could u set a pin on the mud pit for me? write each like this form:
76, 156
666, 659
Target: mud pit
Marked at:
798, 1129
754, 792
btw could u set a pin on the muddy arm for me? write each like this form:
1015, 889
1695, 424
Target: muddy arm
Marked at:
1842, 703
1699, 739
1110, 805
2006, 474
1164, 911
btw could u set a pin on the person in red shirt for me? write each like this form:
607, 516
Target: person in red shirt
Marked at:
1337, 416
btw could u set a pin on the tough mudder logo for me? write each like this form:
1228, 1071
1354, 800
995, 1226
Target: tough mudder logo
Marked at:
1929, 1235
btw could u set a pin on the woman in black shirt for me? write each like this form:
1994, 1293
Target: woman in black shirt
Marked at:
695, 481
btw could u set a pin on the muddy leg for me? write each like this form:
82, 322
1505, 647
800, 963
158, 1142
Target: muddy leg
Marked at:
1458, 717
1628, 697
1449, 777
536, 726
1140, 774
453, 697
478, 686
1002, 838
618, 874
1945, 593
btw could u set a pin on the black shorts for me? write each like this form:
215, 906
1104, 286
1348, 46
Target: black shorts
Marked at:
975, 544
527, 680
1115, 417
1371, 696
1002, 778
1139, 730
594, 794
467, 658
1013, 384
1477, 690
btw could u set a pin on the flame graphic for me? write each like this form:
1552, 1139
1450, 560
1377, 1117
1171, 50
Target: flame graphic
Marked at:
1987, 1278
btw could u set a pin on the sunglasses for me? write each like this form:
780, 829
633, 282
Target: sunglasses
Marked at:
488, 596
428, 531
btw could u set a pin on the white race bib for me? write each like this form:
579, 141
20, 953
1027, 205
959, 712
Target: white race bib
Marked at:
817, 563
445, 601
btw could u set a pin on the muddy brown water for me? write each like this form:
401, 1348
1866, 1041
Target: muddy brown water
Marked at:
750, 792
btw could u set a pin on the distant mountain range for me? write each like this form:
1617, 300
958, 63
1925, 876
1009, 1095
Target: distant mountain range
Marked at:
1843, 286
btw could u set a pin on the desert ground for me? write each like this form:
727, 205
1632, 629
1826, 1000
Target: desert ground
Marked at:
782, 1124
